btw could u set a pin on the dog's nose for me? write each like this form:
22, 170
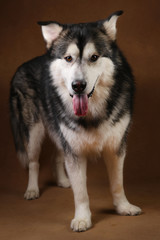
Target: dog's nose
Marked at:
79, 85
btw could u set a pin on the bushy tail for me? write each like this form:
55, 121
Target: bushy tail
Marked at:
19, 128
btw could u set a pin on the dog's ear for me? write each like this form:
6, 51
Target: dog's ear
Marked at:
50, 31
110, 24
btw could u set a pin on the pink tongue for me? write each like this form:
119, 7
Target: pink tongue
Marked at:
80, 104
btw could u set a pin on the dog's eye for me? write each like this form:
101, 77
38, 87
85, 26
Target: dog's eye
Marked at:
94, 58
68, 59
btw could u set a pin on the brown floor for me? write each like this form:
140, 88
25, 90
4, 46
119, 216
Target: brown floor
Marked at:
49, 217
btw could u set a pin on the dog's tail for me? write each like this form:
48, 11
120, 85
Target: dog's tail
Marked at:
19, 129
23, 114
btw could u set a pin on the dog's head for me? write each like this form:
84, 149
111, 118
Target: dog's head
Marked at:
81, 58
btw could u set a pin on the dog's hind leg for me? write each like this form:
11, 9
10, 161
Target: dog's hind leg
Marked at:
33, 147
76, 169
61, 176
114, 164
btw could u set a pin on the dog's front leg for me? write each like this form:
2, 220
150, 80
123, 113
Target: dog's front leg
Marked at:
76, 169
114, 164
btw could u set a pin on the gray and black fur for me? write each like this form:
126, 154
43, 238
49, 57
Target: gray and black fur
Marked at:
32, 94
36, 97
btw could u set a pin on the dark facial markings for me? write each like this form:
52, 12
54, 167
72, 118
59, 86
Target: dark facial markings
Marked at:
81, 35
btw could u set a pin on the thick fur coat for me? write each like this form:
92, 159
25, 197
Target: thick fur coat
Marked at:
81, 92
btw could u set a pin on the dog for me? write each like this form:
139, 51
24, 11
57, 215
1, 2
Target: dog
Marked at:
81, 91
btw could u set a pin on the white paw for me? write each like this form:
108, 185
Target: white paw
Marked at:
80, 225
65, 183
31, 194
128, 209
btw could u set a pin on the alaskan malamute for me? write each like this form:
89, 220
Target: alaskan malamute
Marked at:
80, 92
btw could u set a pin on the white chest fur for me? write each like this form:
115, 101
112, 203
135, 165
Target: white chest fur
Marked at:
93, 140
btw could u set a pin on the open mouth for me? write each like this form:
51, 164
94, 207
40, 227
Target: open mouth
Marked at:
80, 102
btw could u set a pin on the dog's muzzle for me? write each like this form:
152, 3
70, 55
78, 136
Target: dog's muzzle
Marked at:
80, 98
79, 86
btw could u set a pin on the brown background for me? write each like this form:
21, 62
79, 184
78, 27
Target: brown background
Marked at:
49, 217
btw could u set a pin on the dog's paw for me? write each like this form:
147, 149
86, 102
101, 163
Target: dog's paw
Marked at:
128, 209
31, 194
80, 225
65, 183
